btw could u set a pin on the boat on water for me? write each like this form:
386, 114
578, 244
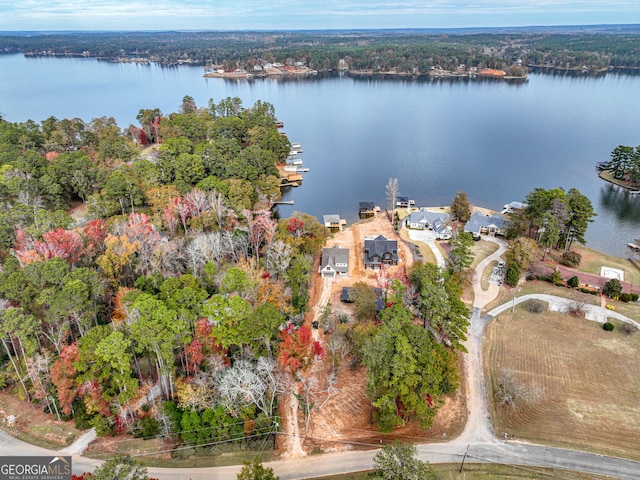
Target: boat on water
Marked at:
301, 169
290, 168
297, 162
297, 147
633, 246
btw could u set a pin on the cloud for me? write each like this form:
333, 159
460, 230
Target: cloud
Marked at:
239, 14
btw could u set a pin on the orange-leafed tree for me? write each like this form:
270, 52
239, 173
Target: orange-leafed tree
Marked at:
297, 349
63, 376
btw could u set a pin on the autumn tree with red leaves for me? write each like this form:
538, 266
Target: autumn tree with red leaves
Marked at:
65, 244
262, 228
95, 232
203, 344
63, 376
298, 349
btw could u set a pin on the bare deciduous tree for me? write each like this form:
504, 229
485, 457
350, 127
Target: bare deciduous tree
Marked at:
251, 383
218, 206
277, 258
392, 193
579, 302
513, 393
198, 201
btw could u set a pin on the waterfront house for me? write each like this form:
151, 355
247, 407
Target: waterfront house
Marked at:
367, 209
514, 207
439, 222
333, 222
404, 202
488, 224
335, 262
379, 251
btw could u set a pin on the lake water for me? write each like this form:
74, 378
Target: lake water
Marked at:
495, 140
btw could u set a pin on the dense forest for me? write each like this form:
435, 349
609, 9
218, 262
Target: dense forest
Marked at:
145, 287
404, 51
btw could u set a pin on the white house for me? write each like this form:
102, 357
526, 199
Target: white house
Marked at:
514, 207
423, 219
335, 262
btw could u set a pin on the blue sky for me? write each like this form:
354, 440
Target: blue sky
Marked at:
307, 14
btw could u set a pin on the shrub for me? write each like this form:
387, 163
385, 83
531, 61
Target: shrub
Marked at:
634, 297
587, 290
626, 297
146, 427
537, 306
573, 282
556, 278
103, 425
571, 259
81, 416
608, 326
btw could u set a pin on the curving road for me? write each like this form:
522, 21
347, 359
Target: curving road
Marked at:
477, 440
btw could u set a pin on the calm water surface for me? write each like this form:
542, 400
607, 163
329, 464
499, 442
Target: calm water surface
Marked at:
496, 141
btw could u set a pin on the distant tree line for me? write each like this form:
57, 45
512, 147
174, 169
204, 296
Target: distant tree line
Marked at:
407, 51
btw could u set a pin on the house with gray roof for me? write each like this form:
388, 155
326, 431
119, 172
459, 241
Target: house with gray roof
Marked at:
367, 209
333, 222
514, 207
488, 224
439, 222
404, 202
335, 262
379, 251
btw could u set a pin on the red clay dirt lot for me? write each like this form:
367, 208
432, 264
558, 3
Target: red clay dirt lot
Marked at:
343, 421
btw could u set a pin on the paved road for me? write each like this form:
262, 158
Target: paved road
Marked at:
477, 440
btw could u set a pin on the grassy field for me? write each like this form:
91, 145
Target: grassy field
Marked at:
588, 381
592, 260
481, 250
631, 310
